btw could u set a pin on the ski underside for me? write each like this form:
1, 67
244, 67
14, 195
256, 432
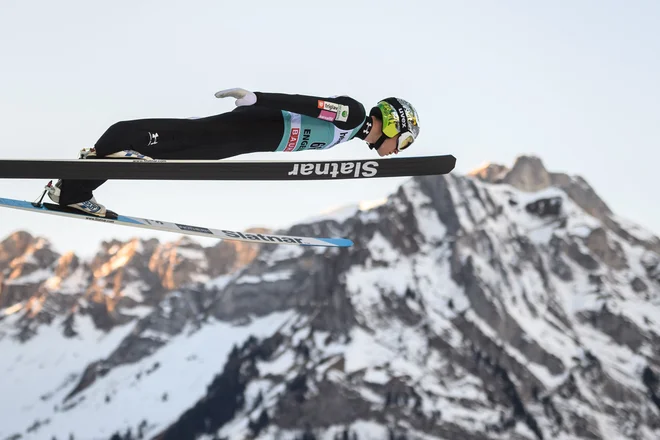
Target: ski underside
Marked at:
222, 234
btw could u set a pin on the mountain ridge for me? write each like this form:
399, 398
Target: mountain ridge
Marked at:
509, 303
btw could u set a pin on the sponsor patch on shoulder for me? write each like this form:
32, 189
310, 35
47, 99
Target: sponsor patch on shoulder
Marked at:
327, 116
331, 111
331, 106
342, 113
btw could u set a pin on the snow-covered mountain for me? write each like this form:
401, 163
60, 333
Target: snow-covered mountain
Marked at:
510, 303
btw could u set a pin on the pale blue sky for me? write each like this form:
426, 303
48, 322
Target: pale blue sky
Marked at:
573, 82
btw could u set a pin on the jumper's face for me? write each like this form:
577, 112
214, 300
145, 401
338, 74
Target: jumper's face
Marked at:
389, 146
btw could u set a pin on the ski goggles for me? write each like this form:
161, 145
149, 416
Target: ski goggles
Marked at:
405, 140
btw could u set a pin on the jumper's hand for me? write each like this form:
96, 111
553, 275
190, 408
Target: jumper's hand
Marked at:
243, 97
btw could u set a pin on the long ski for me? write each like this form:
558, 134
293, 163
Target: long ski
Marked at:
136, 169
222, 234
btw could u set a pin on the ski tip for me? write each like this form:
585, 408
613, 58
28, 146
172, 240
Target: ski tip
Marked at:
335, 242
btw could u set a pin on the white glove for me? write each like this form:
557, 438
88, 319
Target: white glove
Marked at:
243, 97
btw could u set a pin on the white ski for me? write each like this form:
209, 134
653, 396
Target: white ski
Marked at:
222, 234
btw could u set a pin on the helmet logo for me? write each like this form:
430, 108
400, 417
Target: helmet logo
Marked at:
404, 120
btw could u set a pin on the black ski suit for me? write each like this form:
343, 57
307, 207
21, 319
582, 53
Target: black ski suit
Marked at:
276, 122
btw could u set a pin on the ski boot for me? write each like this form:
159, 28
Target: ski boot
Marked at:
89, 207
90, 153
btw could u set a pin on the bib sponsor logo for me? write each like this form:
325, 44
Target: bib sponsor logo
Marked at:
293, 139
334, 169
305, 142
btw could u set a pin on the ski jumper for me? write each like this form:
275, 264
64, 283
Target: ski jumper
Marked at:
276, 122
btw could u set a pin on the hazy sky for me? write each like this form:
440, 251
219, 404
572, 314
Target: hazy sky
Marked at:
575, 83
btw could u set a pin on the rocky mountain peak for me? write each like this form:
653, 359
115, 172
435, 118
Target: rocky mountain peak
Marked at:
528, 174
490, 172
13, 246
120, 276
179, 262
23, 259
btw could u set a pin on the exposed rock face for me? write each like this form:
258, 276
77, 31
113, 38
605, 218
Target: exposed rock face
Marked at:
22, 262
179, 263
14, 246
226, 257
490, 172
508, 304
120, 277
528, 174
